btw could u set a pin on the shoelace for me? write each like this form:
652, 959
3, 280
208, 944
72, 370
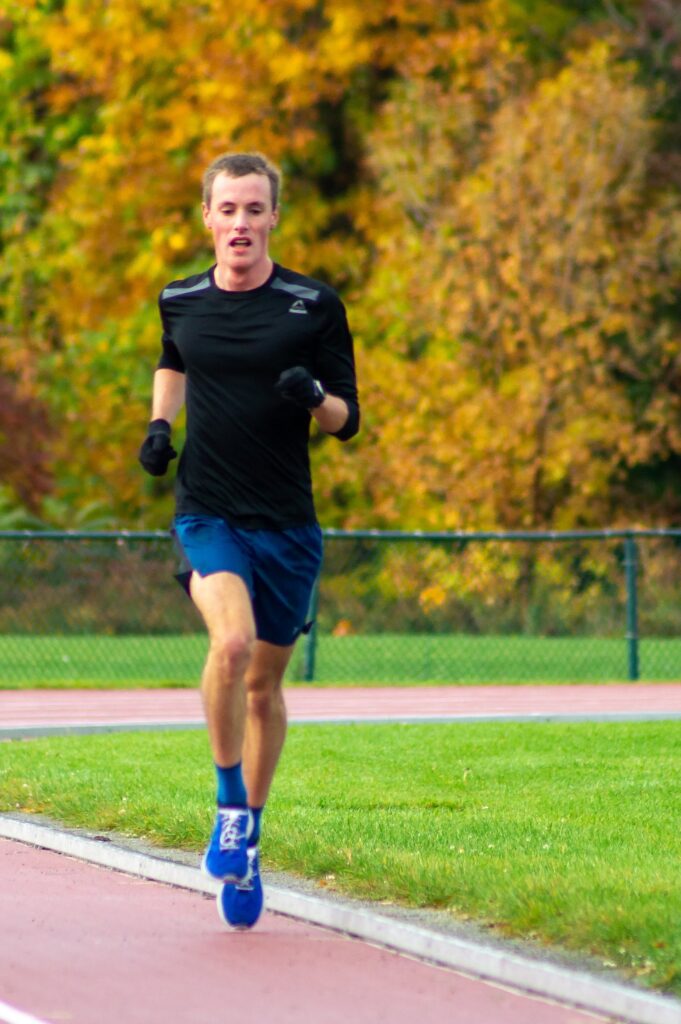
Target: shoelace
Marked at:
232, 829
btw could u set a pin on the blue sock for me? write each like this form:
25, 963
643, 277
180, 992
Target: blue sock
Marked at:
255, 834
231, 789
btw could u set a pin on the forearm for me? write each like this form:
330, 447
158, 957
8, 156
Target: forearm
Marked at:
168, 396
332, 414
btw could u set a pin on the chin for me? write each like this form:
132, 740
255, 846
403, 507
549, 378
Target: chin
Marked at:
240, 262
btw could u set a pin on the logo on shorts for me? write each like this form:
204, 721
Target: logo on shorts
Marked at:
298, 307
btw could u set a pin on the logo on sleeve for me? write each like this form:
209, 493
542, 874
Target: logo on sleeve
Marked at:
298, 307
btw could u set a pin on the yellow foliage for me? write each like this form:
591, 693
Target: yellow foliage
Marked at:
502, 257
512, 261
432, 597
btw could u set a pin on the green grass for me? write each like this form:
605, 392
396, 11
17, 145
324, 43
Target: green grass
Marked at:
386, 659
568, 833
461, 658
96, 661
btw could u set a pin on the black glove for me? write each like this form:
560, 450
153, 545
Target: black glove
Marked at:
157, 451
299, 386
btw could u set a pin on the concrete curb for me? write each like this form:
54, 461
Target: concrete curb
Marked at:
563, 985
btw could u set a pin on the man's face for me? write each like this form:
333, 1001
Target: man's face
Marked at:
240, 218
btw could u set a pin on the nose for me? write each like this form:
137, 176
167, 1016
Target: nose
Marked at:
241, 220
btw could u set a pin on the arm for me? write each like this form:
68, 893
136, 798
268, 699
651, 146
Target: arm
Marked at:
168, 398
330, 395
332, 414
330, 411
338, 414
169, 391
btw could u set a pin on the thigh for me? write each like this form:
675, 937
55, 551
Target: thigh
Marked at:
225, 605
209, 545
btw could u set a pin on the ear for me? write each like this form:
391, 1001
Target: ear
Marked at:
274, 219
205, 210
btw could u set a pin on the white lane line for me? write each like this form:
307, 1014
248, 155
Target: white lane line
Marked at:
565, 985
10, 1015
37, 731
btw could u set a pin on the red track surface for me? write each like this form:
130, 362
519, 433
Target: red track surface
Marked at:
84, 944
32, 708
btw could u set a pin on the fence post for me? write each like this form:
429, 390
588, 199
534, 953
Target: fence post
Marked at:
310, 649
630, 566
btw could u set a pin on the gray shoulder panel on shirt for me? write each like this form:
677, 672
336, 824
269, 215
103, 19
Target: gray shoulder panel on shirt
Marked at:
299, 290
170, 293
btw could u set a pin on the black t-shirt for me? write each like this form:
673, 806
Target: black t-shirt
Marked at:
246, 453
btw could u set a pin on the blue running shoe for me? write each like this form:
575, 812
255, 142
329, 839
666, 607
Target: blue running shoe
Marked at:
240, 905
226, 858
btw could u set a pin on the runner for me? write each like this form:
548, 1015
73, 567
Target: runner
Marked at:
255, 351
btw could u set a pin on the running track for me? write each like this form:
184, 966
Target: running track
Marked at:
83, 944
27, 711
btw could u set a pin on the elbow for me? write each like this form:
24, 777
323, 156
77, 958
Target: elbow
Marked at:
351, 426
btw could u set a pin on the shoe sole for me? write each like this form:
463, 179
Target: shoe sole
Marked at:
235, 927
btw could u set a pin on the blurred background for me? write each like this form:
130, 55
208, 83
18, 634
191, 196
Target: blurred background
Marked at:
493, 188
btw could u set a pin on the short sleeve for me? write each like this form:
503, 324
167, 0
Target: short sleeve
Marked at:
170, 358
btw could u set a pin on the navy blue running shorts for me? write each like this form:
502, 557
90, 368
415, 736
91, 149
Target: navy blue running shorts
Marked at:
279, 568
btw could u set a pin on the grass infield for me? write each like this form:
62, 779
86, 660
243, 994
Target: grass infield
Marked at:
388, 659
567, 833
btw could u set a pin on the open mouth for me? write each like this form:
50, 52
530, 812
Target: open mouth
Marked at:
240, 243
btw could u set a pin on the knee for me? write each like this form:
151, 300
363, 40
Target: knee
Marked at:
232, 652
264, 696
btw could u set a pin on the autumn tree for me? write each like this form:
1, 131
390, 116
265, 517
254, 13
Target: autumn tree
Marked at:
298, 79
27, 167
534, 311
484, 198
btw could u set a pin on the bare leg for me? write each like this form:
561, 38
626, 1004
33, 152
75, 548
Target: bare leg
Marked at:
265, 718
224, 602
241, 683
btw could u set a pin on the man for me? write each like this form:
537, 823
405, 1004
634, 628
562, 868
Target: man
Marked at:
255, 351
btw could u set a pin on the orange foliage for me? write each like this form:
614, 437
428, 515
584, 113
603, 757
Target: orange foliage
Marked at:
527, 295
509, 273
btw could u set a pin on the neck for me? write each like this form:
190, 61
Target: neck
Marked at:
231, 280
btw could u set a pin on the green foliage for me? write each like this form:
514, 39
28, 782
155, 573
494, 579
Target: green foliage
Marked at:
14, 516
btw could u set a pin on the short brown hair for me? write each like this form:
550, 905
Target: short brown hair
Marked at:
237, 165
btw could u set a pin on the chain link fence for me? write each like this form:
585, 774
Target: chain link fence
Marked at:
102, 609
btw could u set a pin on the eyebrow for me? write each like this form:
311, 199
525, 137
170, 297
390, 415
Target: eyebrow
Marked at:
250, 202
